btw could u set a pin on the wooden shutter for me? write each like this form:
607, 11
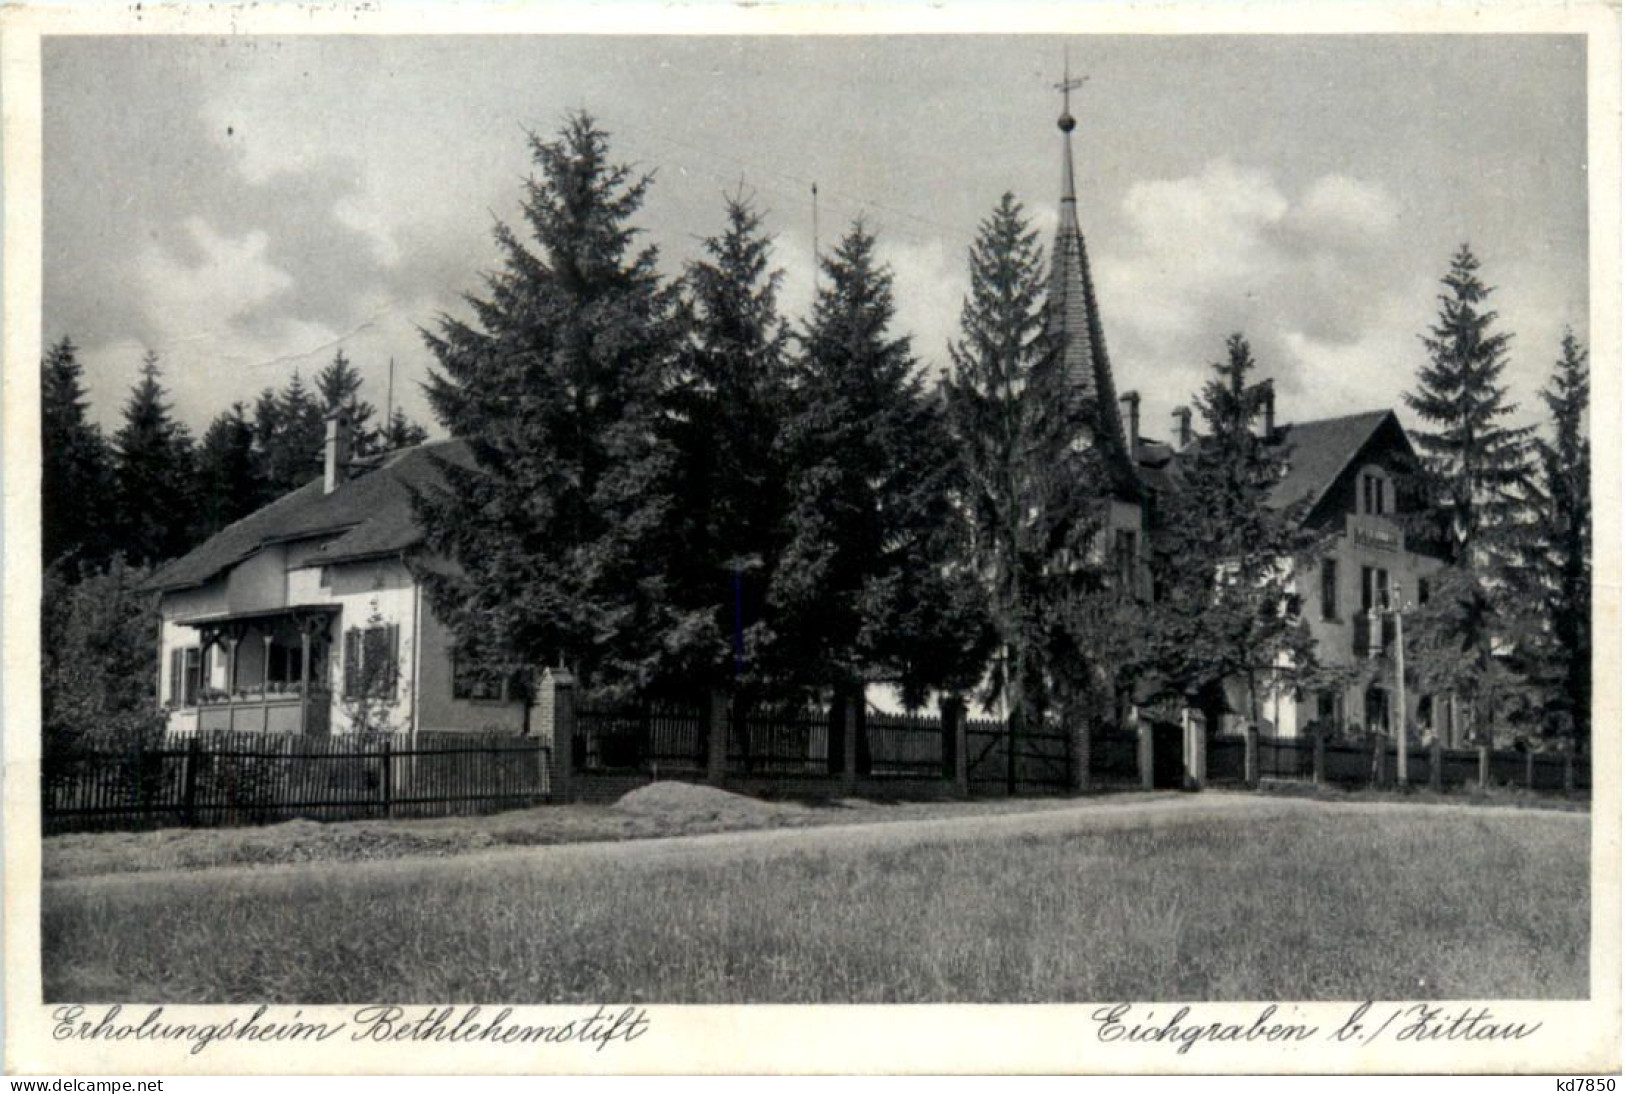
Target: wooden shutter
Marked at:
174, 678
192, 674
391, 674
352, 663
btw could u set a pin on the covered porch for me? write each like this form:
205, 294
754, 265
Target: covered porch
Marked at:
270, 669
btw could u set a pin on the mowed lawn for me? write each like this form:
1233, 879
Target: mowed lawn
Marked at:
1165, 900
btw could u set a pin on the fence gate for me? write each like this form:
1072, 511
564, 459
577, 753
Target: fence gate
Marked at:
1042, 759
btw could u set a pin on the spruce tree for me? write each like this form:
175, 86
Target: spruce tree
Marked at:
76, 474
228, 479
154, 473
560, 532
402, 432
1474, 463
293, 455
1559, 558
729, 406
1473, 483
870, 588
338, 384
1025, 490
1228, 554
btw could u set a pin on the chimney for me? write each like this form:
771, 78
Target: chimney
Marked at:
1269, 409
1131, 412
336, 450
1182, 426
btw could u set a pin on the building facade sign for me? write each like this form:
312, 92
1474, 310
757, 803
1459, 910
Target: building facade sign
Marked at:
1377, 538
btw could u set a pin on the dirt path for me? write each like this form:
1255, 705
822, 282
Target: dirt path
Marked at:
1140, 811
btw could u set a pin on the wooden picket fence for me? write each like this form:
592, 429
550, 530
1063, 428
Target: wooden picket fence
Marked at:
1357, 763
225, 778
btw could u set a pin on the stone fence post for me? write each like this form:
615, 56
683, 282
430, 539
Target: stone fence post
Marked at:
716, 736
1250, 756
1320, 755
1082, 748
1436, 764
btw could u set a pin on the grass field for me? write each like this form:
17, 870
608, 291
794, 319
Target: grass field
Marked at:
1295, 900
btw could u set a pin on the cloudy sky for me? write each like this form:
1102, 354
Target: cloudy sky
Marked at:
245, 206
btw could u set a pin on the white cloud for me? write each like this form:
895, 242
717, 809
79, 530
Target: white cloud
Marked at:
1305, 276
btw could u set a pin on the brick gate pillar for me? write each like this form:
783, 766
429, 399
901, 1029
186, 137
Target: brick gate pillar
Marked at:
555, 722
955, 762
1146, 748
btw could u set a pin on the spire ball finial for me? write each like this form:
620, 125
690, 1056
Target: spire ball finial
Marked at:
1066, 122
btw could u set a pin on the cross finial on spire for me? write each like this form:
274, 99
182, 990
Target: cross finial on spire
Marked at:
1066, 87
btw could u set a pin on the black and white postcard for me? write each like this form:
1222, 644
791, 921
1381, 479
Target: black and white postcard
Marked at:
756, 538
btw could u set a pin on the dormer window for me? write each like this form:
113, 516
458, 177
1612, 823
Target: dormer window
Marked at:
1376, 496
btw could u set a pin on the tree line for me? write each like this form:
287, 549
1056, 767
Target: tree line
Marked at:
150, 492
114, 508
675, 490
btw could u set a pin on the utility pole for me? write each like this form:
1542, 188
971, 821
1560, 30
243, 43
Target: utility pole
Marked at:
1402, 771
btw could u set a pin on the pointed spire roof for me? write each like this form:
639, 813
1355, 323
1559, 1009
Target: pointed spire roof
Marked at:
1074, 315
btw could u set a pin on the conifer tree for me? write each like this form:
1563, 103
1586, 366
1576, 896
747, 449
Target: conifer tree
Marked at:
338, 384
729, 405
1558, 561
228, 479
1025, 490
76, 476
1475, 464
1229, 553
154, 468
403, 432
561, 530
294, 455
869, 589
1473, 483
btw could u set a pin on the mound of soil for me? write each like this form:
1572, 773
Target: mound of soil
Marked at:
680, 800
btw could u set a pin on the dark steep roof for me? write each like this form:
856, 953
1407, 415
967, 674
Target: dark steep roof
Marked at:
1318, 451
370, 515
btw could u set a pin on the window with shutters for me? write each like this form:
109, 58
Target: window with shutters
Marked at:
1328, 588
371, 663
185, 676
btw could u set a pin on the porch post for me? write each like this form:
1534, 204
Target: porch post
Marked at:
304, 681
265, 684
231, 677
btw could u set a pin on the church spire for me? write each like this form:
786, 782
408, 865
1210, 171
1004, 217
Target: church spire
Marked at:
1074, 316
